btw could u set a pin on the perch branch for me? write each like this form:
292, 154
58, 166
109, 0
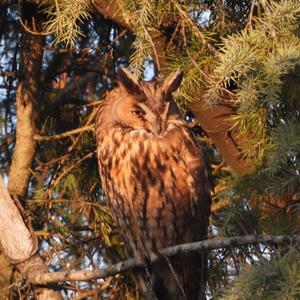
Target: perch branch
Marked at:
134, 263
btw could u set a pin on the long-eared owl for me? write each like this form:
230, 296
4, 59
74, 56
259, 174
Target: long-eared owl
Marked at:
156, 179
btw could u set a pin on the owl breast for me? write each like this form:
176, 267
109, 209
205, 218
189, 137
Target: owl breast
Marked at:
153, 186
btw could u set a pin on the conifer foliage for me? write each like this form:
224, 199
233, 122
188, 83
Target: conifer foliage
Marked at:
241, 58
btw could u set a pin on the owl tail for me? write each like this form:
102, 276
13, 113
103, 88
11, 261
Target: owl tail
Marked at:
178, 278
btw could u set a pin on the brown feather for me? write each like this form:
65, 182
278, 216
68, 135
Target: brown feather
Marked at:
157, 185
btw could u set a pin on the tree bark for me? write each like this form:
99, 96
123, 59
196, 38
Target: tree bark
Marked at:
16, 241
19, 244
27, 100
215, 121
32, 267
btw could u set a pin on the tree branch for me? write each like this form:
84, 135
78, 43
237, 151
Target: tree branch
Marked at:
134, 263
216, 123
38, 137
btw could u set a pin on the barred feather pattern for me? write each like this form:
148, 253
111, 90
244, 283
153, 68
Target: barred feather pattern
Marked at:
158, 189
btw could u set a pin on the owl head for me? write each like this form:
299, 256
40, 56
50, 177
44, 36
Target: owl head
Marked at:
140, 105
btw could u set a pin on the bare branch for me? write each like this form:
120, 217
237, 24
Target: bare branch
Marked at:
134, 263
38, 137
216, 206
27, 29
75, 85
9, 74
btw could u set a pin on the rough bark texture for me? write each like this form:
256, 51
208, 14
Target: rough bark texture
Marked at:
214, 120
5, 277
15, 239
32, 267
27, 98
19, 244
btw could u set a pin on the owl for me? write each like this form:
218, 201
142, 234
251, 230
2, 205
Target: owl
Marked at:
157, 182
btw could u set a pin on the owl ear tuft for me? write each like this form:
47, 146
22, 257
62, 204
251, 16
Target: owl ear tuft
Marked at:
128, 81
172, 82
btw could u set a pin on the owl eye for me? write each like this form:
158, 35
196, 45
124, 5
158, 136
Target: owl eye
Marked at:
138, 112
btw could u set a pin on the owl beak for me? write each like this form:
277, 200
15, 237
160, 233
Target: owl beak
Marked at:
159, 124
156, 128
154, 122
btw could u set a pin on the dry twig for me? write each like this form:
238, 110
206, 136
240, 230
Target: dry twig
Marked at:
38, 137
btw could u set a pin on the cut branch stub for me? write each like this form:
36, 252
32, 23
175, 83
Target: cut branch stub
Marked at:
16, 240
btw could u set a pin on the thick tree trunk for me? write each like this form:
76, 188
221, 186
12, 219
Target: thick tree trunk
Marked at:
27, 98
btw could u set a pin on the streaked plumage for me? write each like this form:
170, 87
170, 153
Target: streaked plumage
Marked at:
156, 179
